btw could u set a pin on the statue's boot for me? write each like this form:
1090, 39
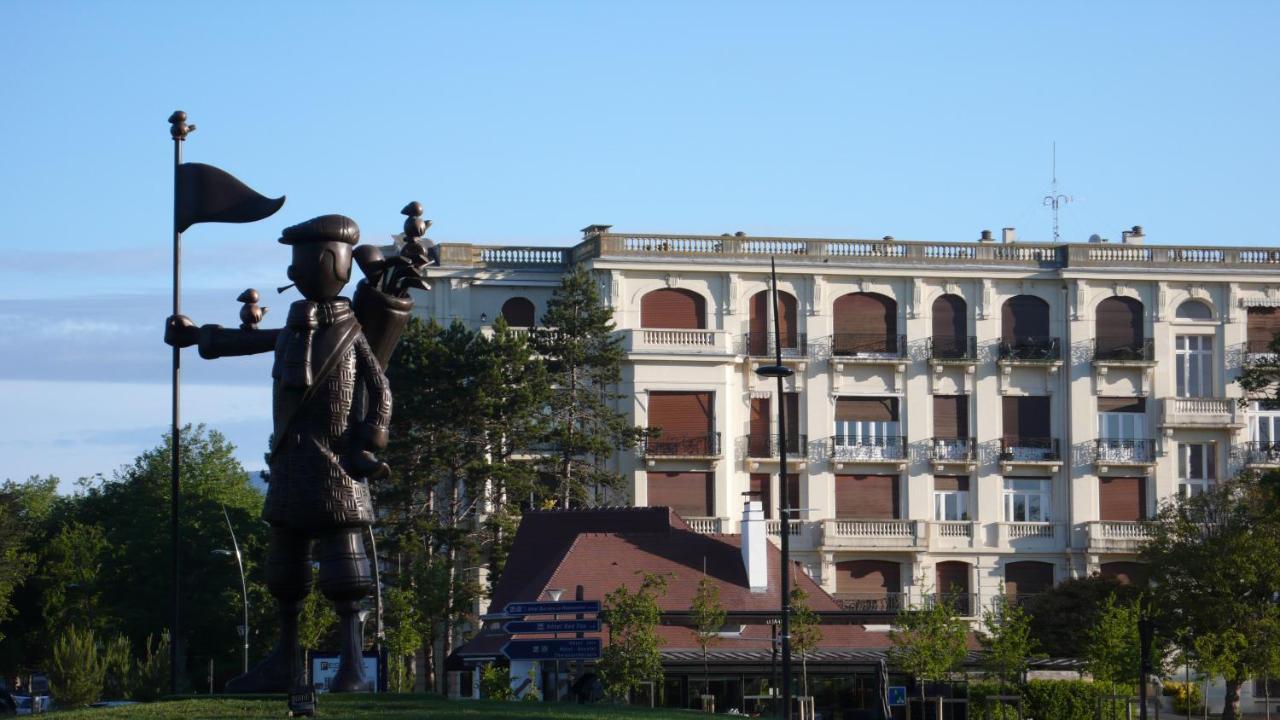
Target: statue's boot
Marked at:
275, 673
350, 677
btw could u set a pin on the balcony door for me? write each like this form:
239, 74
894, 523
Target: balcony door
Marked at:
867, 428
1119, 329
1193, 360
1027, 427
760, 322
1122, 499
869, 585
673, 308
1122, 428
1264, 422
950, 327
867, 497
686, 422
1197, 467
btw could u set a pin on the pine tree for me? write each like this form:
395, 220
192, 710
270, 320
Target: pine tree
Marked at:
584, 361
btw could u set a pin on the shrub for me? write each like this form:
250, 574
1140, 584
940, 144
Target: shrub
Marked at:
495, 683
151, 680
117, 661
76, 673
1182, 693
1049, 700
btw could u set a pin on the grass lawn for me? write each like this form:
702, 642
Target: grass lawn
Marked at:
380, 707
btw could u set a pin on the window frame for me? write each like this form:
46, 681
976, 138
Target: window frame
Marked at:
1186, 357
1194, 481
1042, 494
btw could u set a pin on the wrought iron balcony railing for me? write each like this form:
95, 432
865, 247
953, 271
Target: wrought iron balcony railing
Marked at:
1261, 352
963, 604
953, 448
883, 602
1029, 449
954, 349
769, 446
764, 344
1140, 351
1262, 452
1031, 348
700, 445
868, 345
857, 447
1124, 450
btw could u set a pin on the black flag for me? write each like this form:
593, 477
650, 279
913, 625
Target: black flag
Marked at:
205, 193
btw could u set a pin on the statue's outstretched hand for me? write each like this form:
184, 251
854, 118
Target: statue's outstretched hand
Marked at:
179, 331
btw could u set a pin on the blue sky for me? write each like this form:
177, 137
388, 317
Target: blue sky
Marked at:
523, 122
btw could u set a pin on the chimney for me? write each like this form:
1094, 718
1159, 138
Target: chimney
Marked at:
1010, 235
1132, 237
986, 237
754, 546
591, 231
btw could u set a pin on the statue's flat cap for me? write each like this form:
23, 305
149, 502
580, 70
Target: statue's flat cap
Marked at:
326, 228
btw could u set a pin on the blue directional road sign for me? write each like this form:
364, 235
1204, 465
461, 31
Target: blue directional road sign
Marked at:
897, 695
571, 649
564, 607
551, 626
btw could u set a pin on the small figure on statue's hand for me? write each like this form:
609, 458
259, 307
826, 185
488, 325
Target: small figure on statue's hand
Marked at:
332, 408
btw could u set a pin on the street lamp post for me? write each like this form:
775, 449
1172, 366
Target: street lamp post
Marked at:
780, 371
244, 587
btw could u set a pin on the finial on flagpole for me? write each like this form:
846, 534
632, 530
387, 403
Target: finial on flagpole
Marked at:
179, 129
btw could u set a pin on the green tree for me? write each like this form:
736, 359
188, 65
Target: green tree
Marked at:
1113, 651
316, 620
929, 643
584, 361
117, 661
77, 671
151, 674
805, 629
633, 654
72, 568
708, 616
1006, 643
403, 638
1057, 615
470, 403
1216, 559
23, 510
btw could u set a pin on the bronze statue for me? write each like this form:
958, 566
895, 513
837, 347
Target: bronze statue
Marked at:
332, 408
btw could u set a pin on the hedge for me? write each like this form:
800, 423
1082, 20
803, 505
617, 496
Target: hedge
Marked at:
1047, 699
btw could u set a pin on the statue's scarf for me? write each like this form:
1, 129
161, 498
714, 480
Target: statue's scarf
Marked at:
305, 317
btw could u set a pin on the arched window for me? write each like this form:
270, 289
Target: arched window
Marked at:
518, 312
1119, 331
1194, 310
950, 327
952, 586
1027, 577
673, 308
865, 323
1024, 330
760, 322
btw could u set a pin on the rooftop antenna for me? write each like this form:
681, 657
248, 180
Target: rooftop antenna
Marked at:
1053, 199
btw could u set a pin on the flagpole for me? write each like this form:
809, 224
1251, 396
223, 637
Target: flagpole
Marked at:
179, 129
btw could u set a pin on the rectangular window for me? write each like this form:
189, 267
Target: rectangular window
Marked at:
867, 428
867, 497
1194, 365
1197, 467
1027, 422
950, 498
1027, 500
1122, 430
1264, 422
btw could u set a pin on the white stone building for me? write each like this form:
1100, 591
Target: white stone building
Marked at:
978, 418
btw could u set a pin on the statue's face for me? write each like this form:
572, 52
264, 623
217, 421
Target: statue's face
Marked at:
321, 269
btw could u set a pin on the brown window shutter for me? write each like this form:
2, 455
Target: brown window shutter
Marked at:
1264, 325
953, 577
787, 319
1118, 323
870, 409
673, 308
1127, 572
761, 417
1027, 577
681, 415
760, 485
1026, 417
758, 323
1122, 404
793, 492
1122, 498
958, 483
867, 497
865, 313
518, 312
949, 317
691, 494
1024, 316
868, 577
791, 408
951, 416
